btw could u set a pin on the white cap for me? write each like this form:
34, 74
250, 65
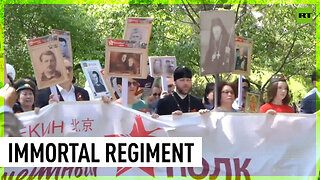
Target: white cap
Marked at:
10, 71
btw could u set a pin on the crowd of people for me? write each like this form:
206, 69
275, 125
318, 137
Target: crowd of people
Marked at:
176, 101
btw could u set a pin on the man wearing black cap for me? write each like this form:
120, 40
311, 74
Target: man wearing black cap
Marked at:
180, 101
308, 104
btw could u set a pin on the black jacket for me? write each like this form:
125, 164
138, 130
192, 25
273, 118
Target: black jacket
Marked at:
44, 94
169, 104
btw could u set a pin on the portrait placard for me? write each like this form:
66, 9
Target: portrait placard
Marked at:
146, 85
123, 59
252, 103
243, 56
138, 29
217, 42
162, 65
99, 87
47, 61
65, 43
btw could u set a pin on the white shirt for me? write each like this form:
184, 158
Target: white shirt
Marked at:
68, 96
235, 104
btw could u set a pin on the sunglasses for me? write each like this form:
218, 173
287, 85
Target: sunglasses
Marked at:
132, 83
156, 94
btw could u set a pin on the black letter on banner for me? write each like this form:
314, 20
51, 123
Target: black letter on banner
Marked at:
20, 153
73, 150
203, 174
120, 152
10, 152
176, 153
35, 153
84, 153
93, 153
130, 153
54, 153
62, 152
153, 153
217, 162
164, 152
238, 169
110, 152
189, 145
142, 152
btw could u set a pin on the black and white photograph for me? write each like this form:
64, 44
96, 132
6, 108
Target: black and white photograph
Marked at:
217, 42
97, 82
125, 61
138, 29
99, 87
65, 43
162, 65
47, 61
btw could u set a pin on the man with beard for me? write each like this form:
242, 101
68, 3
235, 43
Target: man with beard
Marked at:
180, 101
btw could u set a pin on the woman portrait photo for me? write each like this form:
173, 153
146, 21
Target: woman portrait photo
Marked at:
97, 82
157, 67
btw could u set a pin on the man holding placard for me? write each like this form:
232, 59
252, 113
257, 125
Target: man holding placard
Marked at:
66, 90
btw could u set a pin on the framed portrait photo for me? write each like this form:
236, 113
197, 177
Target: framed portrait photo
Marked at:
138, 29
162, 65
125, 60
65, 43
216, 42
99, 87
47, 61
243, 53
252, 103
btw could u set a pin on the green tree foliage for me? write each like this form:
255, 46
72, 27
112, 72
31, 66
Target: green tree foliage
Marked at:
280, 44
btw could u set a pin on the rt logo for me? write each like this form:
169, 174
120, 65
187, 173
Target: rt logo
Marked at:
304, 15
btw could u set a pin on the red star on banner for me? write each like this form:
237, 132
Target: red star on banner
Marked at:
138, 130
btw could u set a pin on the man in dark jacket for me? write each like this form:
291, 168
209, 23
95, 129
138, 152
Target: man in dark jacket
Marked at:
66, 91
180, 101
309, 103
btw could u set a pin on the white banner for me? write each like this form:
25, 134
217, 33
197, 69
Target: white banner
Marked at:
233, 144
